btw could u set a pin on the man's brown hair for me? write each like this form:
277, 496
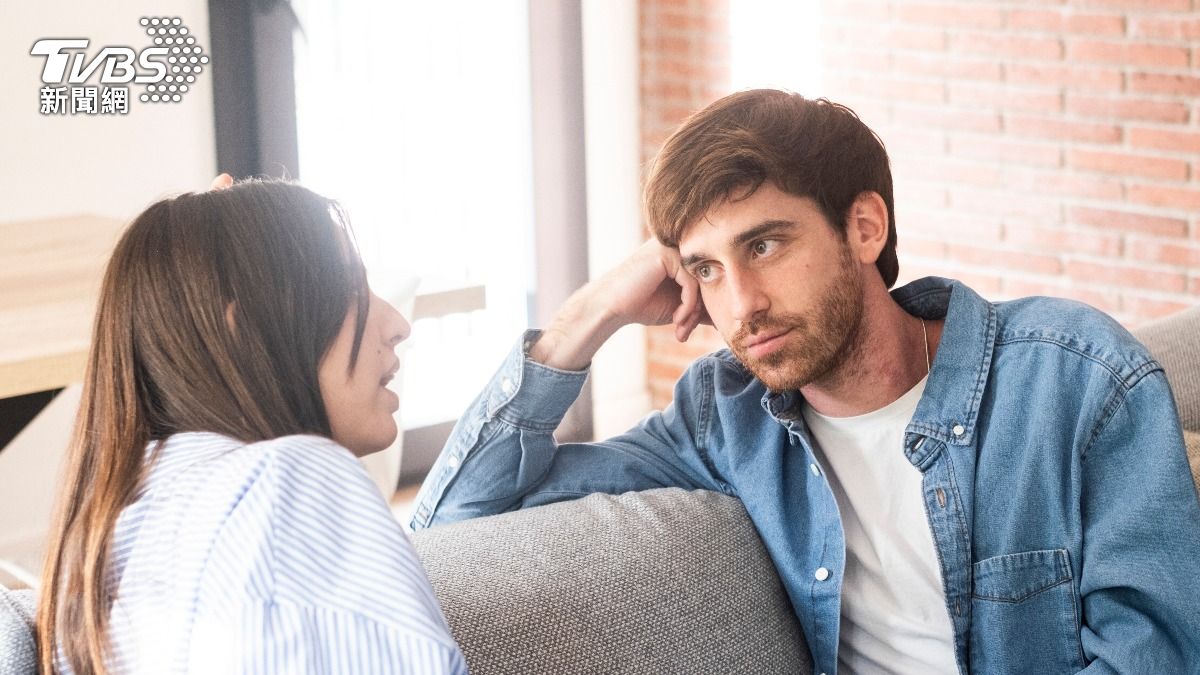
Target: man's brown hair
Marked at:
805, 147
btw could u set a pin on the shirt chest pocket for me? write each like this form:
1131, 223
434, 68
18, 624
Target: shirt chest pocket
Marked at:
1025, 614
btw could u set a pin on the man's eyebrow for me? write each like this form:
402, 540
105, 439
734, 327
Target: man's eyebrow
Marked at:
762, 229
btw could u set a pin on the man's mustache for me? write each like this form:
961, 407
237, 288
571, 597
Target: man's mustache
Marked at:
767, 324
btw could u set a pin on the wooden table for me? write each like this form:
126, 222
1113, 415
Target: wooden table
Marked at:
50, 272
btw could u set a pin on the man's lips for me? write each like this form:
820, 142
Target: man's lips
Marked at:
764, 343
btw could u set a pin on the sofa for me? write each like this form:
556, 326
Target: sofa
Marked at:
664, 581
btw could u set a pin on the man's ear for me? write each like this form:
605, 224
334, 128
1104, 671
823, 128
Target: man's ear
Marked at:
867, 226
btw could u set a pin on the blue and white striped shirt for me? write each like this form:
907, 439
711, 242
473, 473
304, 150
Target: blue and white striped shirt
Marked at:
274, 557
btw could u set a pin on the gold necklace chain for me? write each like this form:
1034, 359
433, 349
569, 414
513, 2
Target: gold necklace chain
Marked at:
928, 364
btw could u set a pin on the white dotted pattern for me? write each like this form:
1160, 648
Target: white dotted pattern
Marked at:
186, 58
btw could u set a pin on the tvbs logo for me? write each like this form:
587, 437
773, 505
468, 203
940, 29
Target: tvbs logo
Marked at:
167, 68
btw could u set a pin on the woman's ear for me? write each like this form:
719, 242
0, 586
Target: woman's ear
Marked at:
867, 226
230, 317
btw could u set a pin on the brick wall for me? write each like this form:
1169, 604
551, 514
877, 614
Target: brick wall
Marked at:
1039, 147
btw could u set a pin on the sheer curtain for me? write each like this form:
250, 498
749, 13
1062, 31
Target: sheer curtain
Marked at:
415, 115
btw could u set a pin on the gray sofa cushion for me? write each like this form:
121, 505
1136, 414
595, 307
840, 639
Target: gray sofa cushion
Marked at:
1175, 343
18, 650
664, 581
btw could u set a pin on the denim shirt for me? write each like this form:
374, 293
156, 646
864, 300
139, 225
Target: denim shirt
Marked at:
1055, 482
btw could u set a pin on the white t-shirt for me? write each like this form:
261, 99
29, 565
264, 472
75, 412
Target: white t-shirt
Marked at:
894, 615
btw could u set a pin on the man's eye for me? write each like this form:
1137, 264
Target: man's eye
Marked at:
764, 247
703, 272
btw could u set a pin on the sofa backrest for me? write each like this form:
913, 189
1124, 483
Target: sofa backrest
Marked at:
1175, 343
664, 581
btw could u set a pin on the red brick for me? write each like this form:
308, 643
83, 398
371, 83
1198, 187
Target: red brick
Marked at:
1165, 139
1060, 129
873, 60
1006, 45
1121, 164
922, 194
1059, 240
955, 15
1010, 261
885, 88
1025, 180
1125, 221
1194, 285
948, 119
912, 142
1153, 5
1126, 275
1033, 154
1166, 197
1165, 253
1167, 28
1004, 98
916, 38
1045, 21
1157, 83
1095, 24
937, 65
667, 90
1001, 203
947, 225
1108, 301
950, 171
987, 285
1129, 54
922, 247
1077, 79
1146, 309
1124, 108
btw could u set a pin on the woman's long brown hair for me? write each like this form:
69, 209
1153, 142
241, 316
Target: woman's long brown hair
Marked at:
214, 313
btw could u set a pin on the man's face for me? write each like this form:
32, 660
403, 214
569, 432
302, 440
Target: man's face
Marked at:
779, 283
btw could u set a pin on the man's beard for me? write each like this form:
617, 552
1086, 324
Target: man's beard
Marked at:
819, 342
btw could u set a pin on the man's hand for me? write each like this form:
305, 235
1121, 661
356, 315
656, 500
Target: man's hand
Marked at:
650, 287
221, 182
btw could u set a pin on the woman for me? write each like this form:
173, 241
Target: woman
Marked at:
214, 518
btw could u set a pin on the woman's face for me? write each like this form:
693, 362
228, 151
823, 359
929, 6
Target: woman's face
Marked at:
359, 404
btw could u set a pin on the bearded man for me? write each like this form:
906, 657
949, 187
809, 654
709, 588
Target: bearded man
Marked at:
945, 484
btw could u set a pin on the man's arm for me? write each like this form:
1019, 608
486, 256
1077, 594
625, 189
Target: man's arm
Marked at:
502, 454
1140, 582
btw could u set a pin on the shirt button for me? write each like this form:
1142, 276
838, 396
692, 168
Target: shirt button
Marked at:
453, 461
958, 430
506, 385
814, 469
822, 574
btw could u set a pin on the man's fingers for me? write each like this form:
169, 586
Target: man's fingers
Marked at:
688, 314
221, 182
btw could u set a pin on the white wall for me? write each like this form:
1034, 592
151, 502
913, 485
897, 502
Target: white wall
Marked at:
620, 393
107, 165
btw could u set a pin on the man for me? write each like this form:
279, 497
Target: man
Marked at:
945, 484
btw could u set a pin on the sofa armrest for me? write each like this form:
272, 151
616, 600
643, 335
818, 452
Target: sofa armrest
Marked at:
652, 582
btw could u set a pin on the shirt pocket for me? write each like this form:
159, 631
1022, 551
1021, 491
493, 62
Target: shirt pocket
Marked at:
1024, 614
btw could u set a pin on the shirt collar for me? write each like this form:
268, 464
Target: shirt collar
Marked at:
949, 408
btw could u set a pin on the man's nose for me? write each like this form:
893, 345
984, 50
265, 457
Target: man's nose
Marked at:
749, 297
